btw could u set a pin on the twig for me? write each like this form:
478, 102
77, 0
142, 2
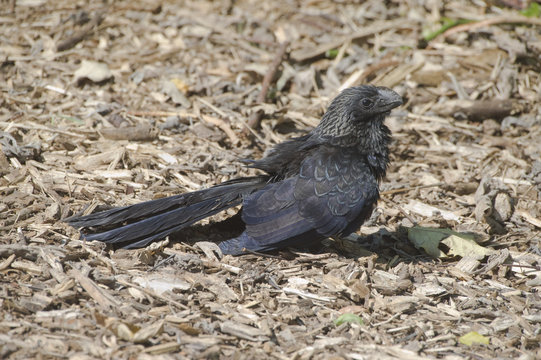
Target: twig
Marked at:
218, 265
104, 299
212, 107
240, 119
86, 30
395, 191
223, 126
358, 76
254, 120
162, 113
162, 262
521, 266
34, 126
493, 21
308, 295
388, 320
408, 216
304, 54
153, 294
251, 252
272, 71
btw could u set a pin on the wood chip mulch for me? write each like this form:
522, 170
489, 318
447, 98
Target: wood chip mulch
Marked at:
111, 103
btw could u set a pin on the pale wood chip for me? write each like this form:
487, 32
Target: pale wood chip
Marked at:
103, 297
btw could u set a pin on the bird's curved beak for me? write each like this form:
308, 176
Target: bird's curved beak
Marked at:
388, 99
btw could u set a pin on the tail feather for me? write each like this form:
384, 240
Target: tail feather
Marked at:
155, 219
153, 207
142, 232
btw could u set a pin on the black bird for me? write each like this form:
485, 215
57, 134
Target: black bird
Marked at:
318, 185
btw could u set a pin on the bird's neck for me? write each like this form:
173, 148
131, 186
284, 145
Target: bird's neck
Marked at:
374, 144
368, 139
374, 137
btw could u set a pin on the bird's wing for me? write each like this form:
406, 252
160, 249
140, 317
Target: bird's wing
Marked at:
334, 186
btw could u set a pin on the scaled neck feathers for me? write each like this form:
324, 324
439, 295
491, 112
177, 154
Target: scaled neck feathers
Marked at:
355, 119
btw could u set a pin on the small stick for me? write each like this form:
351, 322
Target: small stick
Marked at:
78, 37
153, 294
521, 266
395, 191
223, 126
251, 252
254, 120
162, 113
216, 264
161, 262
360, 75
33, 126
408, 216
212, 107
488, 22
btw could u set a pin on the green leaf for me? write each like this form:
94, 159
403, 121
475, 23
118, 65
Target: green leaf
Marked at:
534, 10
348, 318
331, 54
446, 25
473, 337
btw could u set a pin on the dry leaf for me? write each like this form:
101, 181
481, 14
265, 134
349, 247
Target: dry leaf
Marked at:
458, 244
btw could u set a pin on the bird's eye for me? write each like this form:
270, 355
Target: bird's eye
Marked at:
366, 102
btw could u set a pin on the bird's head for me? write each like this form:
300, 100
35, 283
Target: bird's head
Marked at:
356, 107
367, 100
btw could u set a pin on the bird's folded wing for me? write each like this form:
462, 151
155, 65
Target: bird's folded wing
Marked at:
332, 189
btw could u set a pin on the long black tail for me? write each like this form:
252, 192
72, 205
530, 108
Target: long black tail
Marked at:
139, 224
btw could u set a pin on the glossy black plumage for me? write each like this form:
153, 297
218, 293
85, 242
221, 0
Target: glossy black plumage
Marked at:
318, 185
